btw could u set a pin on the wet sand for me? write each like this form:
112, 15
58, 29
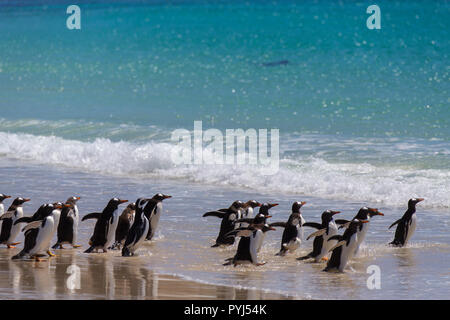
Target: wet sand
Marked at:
74, 275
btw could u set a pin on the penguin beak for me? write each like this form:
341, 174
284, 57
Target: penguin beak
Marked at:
380, 213
335, 212
67, 205
78, 198
268, 216
58, 206
26, 199
166, 196
272, 228
420, 199
271, 205
122, 201
258, 204
364, 221
6, 197
303, 203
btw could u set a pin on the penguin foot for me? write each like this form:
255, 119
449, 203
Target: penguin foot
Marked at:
260, 264
51, 254
75, 246
10, 246
325, 258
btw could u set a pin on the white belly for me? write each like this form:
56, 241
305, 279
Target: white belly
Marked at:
155, 218
15, 229
293, 244
361, 235
347, 252
412, 228
255, 245
44, 237
76, 219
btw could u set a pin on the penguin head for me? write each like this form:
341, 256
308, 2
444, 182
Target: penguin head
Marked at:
73, 200
20, 201
235, 206
356, 223
252, 204
327, 215
264, 209
161, 197
3, 197
375, 212
131, 206
59, 205
297, 205
412, 202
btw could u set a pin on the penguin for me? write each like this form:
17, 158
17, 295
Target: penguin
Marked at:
138, 231
152, 211
38, 232
56, 214
364, 213
67, 227
406, 224
247, 248
292, 235
2, 208
229, 217
343, 251
321, 245
105, 227
247, 211
126, 220
10, 230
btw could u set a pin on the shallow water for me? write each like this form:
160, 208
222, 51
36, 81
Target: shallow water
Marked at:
182, 244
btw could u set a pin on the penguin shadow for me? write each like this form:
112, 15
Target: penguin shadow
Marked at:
405, 257
98, 278
135, 282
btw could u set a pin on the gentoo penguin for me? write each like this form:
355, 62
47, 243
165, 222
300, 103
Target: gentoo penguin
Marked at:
68, 225
152, 211
138, 231
228, 217
364, 213
344, 250
2, 208
247, 252
406, 224
292, 234
327, 229
125, 222
38, 232
10, 230
247, 211
105, 227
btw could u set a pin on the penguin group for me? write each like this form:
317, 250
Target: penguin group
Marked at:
138, 222
336, 249
126, 231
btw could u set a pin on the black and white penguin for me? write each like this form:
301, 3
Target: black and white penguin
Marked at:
10, 230
293, 231
2, 208
251, 237
229, 217
138, 231
365, 213
38, 232
56, 214
406, 224
153, 211
326, 229
67, 226
126, 220
344, 250
105, 227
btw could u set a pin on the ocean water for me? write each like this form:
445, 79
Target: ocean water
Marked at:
363, 117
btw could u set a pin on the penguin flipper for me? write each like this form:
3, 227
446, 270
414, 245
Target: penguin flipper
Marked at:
341, 221
337, 237
340, 243
89, 250
23, 220
396, 222
218, 214
240, 232
317, 233
245, 220
7, 215
32, 225
312, 225
278, 224
93, 215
